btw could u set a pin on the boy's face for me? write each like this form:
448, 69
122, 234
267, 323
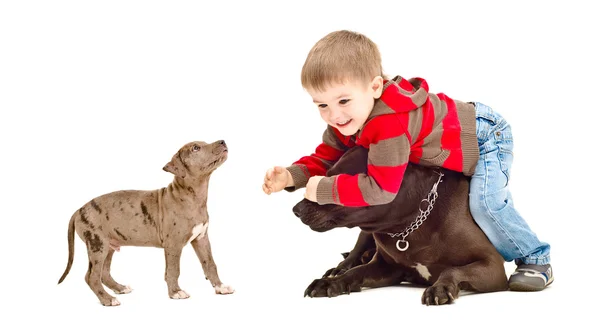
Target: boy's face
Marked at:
347, 106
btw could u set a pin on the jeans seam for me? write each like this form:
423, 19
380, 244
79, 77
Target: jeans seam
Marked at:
488, 211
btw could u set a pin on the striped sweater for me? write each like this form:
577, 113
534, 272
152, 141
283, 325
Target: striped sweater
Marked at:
407, 123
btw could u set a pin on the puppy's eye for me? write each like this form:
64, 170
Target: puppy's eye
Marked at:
195, 148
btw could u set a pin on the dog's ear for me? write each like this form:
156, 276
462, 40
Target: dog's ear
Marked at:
175, 166
353, 162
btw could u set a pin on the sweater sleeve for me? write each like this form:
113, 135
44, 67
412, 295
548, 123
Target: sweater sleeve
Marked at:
389, 149
317, 163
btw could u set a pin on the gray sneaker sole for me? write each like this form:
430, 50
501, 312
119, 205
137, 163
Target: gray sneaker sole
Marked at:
525, 287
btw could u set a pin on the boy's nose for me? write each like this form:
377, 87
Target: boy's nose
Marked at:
335, 115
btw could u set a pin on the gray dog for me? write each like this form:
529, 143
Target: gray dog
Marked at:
169, 218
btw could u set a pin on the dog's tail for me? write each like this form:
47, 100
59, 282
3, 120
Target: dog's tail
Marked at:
71, 238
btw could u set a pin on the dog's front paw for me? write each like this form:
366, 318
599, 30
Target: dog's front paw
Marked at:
328, 287
439, 294
334, 272
111, 302
181, 294
124, 290
224, 289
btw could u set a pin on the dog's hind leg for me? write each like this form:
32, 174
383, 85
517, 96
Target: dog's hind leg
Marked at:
376, 273
363, 247
107, 278
172, 259
97, 252
480, 276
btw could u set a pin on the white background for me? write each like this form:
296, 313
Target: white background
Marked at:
97, 97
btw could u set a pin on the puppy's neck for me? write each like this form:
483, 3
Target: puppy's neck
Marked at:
195, 188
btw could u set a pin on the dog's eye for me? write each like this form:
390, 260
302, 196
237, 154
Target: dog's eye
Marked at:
195, 148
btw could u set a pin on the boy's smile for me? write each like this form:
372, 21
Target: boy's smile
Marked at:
347, 106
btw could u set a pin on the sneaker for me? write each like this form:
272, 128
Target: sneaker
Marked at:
531, 277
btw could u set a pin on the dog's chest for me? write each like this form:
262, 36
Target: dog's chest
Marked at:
417, 259
198, 231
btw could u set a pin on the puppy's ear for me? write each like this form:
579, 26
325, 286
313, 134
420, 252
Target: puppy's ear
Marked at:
175, 166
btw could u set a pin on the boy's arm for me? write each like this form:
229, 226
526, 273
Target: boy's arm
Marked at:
317, 164
389, 149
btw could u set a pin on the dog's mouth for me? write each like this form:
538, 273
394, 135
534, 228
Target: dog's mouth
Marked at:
216, 162
317, 220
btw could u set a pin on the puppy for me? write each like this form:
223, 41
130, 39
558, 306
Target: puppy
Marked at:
169, 218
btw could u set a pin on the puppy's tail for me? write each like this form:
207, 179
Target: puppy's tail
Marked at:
71, 237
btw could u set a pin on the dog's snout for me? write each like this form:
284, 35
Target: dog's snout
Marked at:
296, 210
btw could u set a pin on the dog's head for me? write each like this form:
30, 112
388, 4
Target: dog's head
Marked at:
197, 158
322, 218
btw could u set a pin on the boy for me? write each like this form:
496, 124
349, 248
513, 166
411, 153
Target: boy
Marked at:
399, 121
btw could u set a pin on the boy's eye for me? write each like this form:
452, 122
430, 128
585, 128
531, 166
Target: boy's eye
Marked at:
322, 106
344, 101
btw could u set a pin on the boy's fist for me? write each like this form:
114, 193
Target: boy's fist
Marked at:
276, 179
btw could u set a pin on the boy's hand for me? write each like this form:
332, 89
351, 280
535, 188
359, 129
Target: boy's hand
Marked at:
276, 179
311, 188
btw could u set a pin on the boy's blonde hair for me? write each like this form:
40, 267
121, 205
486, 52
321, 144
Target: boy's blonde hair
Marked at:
339, 57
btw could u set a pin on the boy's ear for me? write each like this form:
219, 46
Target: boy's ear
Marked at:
377, 87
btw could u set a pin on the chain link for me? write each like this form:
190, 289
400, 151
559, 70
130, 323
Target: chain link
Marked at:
423, 214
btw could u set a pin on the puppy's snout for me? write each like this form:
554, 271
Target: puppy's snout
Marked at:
219, 146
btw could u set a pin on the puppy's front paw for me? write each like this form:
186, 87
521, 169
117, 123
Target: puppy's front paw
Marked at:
111, 302
224, 289
181, 294
124, 290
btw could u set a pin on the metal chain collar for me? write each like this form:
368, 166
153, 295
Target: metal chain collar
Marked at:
430, 200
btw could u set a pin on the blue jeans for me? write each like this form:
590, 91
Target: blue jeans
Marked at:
490, 201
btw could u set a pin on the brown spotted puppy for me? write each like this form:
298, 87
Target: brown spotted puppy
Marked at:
170, 217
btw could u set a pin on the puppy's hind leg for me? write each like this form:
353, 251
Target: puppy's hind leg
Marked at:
97, 252
107, 278
172, 259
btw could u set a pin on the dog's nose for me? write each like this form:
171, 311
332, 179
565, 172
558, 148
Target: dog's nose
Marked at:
296, 210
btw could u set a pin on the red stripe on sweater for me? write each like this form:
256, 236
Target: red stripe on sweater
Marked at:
383, 127
328, 153
388, 178
350, 194
451, 135
406, 85
315, 166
